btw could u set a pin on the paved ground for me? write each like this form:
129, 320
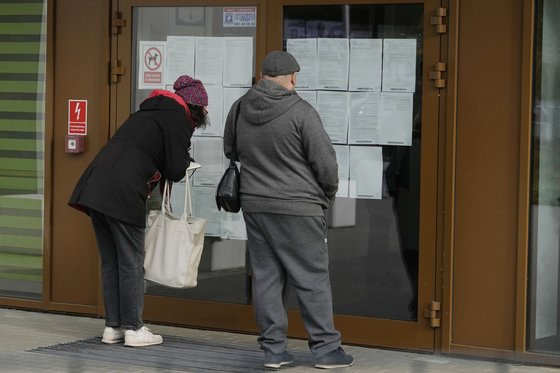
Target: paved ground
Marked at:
22, 331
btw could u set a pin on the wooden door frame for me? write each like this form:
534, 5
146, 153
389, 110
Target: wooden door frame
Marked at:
52, 145
239, 317
449, 111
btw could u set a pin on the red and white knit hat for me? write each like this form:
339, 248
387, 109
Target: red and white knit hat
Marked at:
191, 90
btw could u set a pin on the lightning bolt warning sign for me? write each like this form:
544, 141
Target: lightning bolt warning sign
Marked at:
77, 117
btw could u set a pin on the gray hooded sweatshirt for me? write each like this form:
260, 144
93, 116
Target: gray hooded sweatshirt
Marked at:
288, 163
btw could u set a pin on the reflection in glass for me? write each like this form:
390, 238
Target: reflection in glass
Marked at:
373, 244
544, 280
22, 128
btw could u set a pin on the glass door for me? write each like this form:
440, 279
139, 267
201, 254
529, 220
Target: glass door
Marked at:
22, 149
197, 41
373, 237
218, 43
382, 234
544, 274
365, 68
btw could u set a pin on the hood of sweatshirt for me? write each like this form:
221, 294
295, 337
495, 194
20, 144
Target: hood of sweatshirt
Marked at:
266, 101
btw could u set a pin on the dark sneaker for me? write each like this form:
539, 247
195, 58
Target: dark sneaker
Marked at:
335, 359
272, 360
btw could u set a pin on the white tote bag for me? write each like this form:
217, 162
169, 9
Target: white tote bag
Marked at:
173, 245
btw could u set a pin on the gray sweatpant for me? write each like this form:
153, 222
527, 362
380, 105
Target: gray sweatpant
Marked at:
283, 247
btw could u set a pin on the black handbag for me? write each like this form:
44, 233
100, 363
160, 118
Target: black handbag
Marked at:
227, 193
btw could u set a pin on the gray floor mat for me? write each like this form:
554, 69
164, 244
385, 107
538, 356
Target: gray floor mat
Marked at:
176, 353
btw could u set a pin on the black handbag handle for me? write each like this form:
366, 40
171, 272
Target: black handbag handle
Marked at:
234, 144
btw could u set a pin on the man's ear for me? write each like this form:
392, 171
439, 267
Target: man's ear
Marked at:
293, 79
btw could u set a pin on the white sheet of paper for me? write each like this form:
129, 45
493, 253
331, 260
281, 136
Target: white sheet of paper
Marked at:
343, 159
309, 96
151, 64
180, 57
209, 55
365, 64
208, 152
305, 52
333, 110
363, 125
395, 118
399, 65
366, 172
233, 226
332, 63
238, 61
215, 107
231, 95
204, 206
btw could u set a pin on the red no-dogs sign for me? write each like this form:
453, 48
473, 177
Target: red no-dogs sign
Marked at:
77, 117
151, 64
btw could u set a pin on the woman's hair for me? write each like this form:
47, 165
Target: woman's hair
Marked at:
199, 116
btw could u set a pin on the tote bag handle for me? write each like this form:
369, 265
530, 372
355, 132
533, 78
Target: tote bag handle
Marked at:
187, 210
166, 203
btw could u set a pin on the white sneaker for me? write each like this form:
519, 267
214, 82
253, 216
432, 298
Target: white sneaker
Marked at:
141, 337
113, 335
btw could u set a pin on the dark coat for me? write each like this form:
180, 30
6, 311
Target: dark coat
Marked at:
155, 138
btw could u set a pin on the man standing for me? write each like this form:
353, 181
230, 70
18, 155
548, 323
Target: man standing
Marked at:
288, 179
